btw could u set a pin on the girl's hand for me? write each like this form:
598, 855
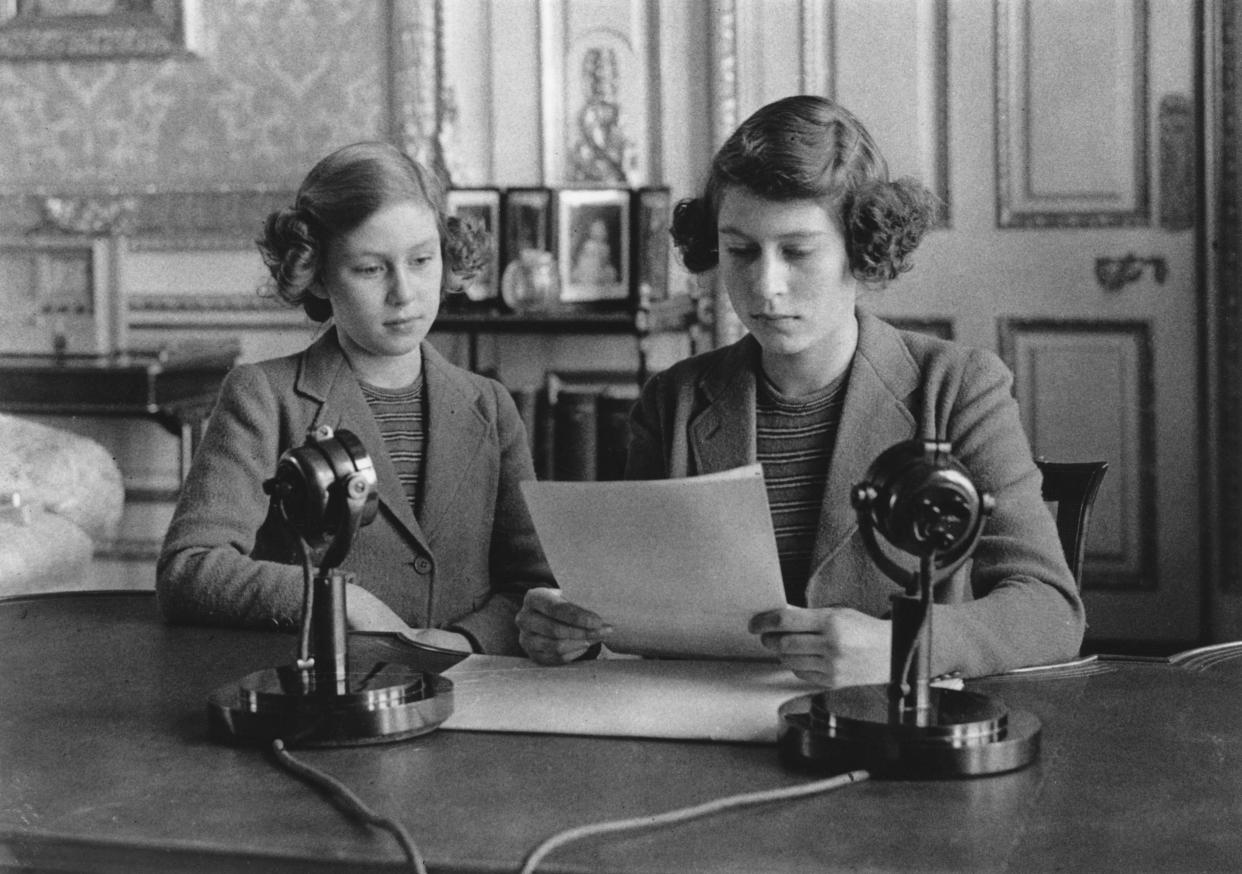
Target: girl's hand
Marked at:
831, 646
553, 631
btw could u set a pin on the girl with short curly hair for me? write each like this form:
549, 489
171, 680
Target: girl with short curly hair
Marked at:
367, 249
798, 215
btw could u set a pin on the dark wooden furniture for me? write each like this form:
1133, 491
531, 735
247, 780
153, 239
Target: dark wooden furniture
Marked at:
105, 765
675, 315
175, 388
1072, 486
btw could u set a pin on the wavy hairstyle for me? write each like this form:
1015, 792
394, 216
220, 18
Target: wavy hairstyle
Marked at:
340, 193
811, 148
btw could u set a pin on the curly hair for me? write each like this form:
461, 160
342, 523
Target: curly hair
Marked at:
811, 148
340, 193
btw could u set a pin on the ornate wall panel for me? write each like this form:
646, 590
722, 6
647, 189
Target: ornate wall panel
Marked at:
1080, 162
1109, 417
596, 91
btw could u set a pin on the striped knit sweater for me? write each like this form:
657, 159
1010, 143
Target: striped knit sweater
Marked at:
401, 416
794, 442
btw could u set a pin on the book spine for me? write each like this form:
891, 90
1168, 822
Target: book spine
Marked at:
575, 435
526, 399
613, 435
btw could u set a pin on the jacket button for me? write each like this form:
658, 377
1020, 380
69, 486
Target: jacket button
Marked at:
422, 565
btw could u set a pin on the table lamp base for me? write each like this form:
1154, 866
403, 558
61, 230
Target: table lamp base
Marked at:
370, 703
966, 734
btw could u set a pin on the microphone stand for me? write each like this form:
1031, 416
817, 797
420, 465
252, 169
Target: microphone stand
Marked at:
325, 491
924, 503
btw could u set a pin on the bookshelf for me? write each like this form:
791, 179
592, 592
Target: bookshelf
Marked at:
677, 314
577, 421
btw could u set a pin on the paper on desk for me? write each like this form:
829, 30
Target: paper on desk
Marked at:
677, 566
651, 698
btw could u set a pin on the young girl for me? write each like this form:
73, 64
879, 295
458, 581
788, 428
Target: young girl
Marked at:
367, 248
798, 214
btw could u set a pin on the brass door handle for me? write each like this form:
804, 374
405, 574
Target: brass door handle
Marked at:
1114, 274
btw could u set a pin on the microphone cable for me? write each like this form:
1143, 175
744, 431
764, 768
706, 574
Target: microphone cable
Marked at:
685, 814
352, 804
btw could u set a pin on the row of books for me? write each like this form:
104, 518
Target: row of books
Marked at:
578, 425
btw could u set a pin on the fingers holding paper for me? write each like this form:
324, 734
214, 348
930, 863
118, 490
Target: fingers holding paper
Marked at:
554, 631
831, 646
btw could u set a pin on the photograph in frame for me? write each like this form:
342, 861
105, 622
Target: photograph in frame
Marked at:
483, 206
593, 245
527, 222
652, 243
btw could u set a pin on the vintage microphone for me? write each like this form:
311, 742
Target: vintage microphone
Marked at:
325, 491
923, 502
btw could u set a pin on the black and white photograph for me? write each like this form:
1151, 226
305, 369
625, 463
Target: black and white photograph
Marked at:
482, 207
527, 222
593, 243
652, 211
621, 436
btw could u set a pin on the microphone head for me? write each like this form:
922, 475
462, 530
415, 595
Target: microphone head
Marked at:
922, 500
320, 486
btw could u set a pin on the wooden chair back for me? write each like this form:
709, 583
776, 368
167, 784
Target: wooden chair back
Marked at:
1072, 486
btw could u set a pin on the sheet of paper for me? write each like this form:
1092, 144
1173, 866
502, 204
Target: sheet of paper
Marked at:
649, 698
677, 567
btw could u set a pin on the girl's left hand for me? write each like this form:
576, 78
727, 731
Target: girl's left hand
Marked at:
830, 646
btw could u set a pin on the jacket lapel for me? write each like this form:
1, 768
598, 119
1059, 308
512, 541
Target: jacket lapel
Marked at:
875, 416
457, 432
722, 434
327, 378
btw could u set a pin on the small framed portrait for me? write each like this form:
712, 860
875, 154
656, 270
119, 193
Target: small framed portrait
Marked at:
651, 243
527, 222
593, 232
481, 205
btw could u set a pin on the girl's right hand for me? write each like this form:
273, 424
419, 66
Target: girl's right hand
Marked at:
554, 631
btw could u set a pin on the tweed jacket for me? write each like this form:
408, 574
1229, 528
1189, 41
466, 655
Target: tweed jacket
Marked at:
1017, 604
466, 560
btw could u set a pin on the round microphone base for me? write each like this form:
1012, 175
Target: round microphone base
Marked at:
371, 703
966, 734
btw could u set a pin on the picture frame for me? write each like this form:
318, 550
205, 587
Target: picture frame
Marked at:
483, 205
593, 245
100, 29
527, 222
652, 245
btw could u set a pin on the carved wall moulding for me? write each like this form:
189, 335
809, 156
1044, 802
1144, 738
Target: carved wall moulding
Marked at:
158, 221
415, 76
1177, 162
595, 91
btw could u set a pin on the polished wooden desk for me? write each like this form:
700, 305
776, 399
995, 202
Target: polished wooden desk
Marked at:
105, 765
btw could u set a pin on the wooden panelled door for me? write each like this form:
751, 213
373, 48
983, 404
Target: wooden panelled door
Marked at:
1061, 135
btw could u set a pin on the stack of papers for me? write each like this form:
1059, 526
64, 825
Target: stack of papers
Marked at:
647, 698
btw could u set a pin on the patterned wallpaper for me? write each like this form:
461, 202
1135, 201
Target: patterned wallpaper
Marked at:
277, 84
